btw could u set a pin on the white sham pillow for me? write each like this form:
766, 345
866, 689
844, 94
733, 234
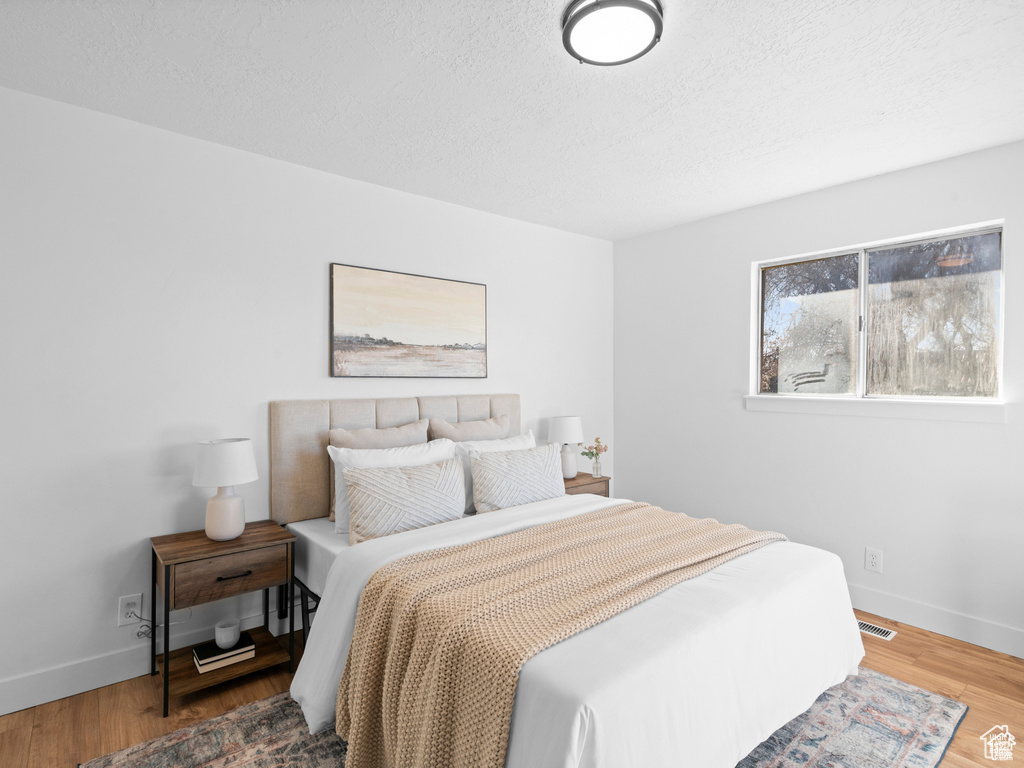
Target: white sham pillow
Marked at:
465, 449
371, 458
391, 500
509, 478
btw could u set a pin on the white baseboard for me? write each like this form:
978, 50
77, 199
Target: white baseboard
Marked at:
41, 686
959, 626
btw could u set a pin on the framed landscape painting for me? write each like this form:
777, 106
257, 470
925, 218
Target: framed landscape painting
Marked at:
395, 324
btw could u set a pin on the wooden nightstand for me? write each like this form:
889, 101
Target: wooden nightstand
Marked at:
587, 483
190, 570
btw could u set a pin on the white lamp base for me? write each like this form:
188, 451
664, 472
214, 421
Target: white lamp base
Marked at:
225, 515
568, 462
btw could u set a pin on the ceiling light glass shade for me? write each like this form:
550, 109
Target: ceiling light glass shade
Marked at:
610, 32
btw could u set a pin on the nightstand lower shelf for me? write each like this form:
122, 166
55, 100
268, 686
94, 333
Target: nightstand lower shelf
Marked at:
185, 678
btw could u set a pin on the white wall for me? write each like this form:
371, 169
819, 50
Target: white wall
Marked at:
942, 500
158, 290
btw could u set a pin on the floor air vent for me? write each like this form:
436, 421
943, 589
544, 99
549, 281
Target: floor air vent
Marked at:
871, 629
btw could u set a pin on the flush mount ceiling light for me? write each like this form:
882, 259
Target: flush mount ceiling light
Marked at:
610, 32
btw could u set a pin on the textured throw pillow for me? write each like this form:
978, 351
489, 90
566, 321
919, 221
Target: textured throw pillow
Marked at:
389, 437
485, 429
368, 437
509, 478
463, 451
395, 499
407, 456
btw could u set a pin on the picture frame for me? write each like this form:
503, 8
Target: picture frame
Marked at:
387, 324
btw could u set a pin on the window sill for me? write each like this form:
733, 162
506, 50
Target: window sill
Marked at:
989, 412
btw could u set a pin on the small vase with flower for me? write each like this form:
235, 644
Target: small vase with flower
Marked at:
593, 452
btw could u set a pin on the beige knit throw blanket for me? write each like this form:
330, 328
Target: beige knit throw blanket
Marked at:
440, 636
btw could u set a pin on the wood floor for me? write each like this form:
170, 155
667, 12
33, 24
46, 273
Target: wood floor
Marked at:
63, 733
991, 684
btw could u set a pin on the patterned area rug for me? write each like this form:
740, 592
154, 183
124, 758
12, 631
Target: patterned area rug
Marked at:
270, 733
869, 721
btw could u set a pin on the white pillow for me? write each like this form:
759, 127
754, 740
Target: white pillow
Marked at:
395, 499
369, 458
463, 451
510, 478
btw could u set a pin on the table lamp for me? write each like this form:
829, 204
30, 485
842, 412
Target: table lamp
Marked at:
566, 430
223, 464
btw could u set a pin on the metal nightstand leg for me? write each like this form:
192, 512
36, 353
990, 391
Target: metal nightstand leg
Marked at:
291, 610
167, 637
152, 609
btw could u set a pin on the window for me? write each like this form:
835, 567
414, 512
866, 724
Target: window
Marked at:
917, 319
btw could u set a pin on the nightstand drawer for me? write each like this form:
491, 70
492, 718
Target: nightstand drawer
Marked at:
584, 482
599, 489
202, 581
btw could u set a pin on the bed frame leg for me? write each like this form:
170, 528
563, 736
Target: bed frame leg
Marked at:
305, 618
305, 596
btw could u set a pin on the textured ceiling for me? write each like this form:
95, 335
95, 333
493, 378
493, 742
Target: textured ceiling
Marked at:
475, 101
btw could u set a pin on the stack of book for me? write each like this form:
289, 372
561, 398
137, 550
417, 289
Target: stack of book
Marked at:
209, 656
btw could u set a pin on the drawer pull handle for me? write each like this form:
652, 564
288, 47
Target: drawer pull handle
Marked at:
236, 576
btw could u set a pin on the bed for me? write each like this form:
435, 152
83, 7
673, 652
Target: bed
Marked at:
696, 676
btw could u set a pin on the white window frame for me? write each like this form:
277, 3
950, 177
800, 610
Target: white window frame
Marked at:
975, 409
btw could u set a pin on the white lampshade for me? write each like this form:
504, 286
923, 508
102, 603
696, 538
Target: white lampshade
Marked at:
565, 429
221, 463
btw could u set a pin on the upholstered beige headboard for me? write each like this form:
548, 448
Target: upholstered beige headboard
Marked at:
299, 465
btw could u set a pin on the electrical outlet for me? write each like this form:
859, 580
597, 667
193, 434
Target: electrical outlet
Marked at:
126, 606
873, 560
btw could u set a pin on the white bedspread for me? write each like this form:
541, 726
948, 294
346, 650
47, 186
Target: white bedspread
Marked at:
696, 676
